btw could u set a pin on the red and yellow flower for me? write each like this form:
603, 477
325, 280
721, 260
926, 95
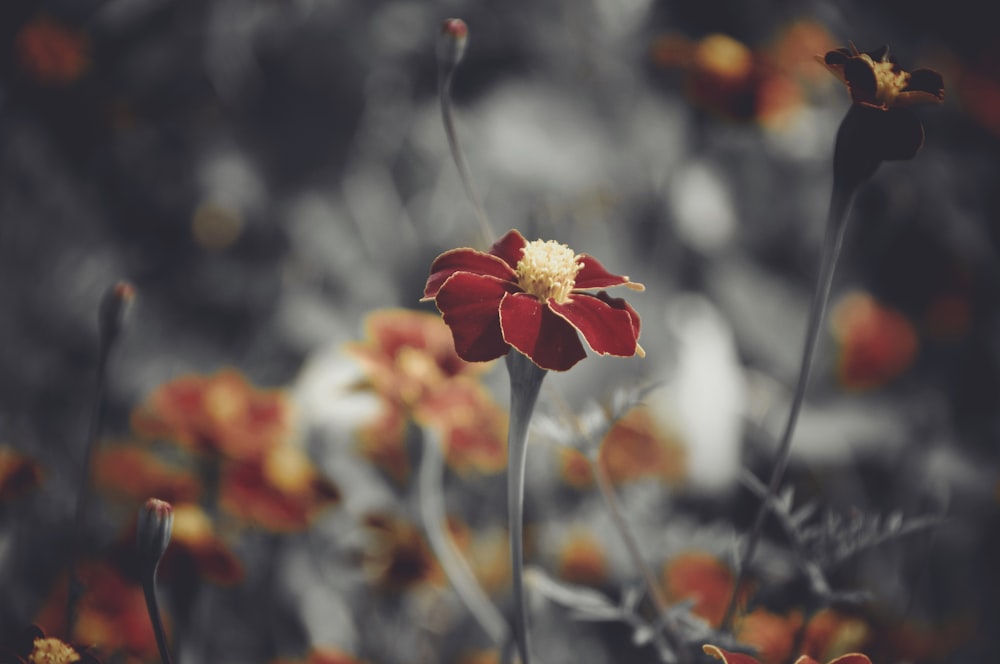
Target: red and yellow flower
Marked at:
220, 413
728, 657
532, 296
882, 92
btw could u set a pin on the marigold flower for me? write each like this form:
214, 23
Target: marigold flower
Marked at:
18, 474
33, 647
111, 614
883, 127
729, 657
132, 473
876, 343
700, 576
281, 492
532, 296
221, 413
398, 557
582, 559
50, 52
410, 363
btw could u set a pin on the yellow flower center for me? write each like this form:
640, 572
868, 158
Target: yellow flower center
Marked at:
52, 651
548, 269
890, 80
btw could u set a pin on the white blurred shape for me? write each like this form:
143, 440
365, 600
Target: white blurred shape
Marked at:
704, 401
537, 136
702, 208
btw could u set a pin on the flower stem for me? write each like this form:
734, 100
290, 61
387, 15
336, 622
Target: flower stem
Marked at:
454, 565
445, 74
525, 384
111, 318
607, 490
152, 606
840, 205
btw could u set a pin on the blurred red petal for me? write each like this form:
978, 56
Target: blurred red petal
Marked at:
727, 656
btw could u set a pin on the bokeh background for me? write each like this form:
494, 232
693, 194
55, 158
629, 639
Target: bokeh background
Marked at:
267, 174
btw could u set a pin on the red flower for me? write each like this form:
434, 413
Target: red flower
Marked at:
50, 52
740, 658
531, 295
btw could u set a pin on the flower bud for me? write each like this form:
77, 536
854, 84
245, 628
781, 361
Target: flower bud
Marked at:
156, 520
451, 43
113, 309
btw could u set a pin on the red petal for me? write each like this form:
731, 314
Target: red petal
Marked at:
470, 305
531, 327
510, 248
728, 657
465, 260
593, 275
852, 658
607, 327
806, 659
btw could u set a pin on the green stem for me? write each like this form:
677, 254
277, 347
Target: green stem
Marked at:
840, 205
525, 384
152, 606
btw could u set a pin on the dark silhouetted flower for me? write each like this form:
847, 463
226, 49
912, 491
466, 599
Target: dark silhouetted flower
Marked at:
880, 127
282, 491
532, 296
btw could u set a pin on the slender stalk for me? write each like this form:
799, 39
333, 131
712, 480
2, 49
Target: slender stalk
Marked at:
454, 564
525, 383
111, 319
76, 590
840, 205
152, 606
446, 71
607, 490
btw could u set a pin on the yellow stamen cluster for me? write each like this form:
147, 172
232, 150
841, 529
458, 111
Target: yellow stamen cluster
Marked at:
548, 269
890, 80
52, 651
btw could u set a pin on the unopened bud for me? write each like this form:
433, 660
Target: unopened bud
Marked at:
451, 43
156, 520
114, 307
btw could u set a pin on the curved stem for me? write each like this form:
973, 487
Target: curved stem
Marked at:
607, 490
444, 92
525, 383
455, 566
840, 205
152, 606
75, 588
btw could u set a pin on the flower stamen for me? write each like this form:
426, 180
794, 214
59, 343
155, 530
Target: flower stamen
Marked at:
548, 269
